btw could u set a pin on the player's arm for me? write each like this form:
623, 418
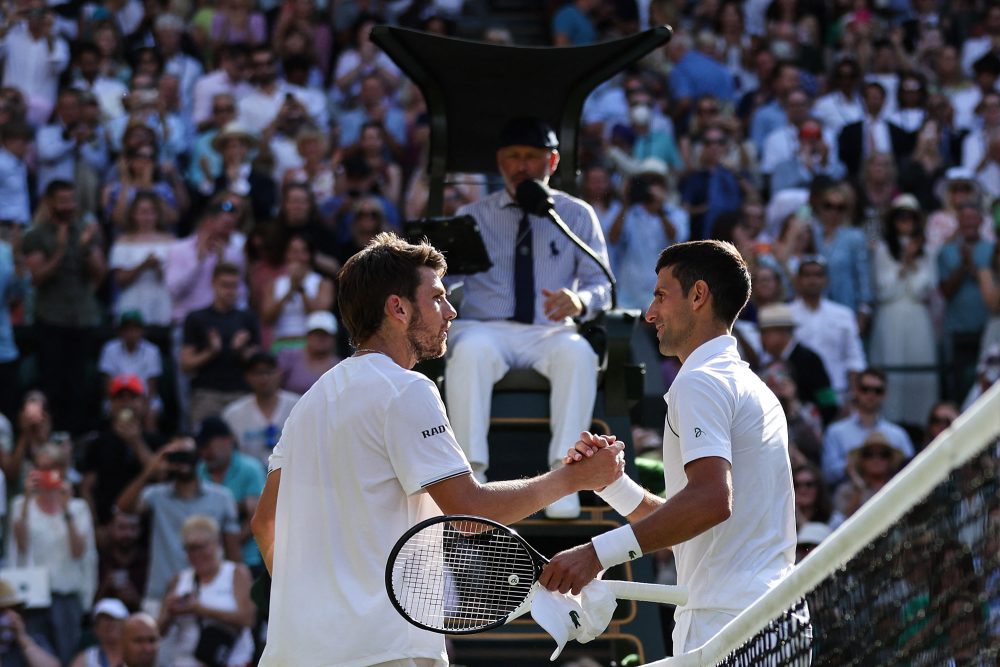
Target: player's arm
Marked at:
705, 502
262, 523
512, 500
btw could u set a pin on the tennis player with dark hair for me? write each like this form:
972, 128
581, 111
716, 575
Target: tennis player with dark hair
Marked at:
367, 453
730, 512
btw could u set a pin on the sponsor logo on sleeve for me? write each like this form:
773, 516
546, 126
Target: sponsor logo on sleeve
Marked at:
437, 430
697, 432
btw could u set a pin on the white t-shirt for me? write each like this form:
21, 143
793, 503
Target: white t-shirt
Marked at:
217, 594
255, 433
291, 323
355, 457
148, 293
145, 362
832, 331
717, 406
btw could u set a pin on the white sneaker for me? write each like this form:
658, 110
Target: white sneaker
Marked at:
567, 507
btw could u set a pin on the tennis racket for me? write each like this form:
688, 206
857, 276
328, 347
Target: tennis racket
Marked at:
460, 574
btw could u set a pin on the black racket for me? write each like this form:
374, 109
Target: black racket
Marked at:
464, 574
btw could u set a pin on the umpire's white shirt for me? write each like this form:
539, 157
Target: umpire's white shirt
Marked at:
355, 456
717, 406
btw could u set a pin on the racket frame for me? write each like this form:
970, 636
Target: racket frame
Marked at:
538, 562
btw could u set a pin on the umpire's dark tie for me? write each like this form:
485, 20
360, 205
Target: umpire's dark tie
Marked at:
524, 274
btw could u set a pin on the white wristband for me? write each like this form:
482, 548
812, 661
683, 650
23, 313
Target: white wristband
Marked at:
616, 546
623, 495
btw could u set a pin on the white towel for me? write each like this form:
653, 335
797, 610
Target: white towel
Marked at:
581, 617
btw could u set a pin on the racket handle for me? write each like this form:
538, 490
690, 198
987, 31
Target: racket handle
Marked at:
660, 593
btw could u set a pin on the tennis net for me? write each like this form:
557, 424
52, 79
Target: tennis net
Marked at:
913, 578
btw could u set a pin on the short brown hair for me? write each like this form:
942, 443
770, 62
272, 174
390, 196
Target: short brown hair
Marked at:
226, 269
388, 265
722, 268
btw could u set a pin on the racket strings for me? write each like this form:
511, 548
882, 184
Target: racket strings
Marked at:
461, 575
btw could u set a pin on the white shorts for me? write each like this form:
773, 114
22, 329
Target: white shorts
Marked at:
413, 662
692, 628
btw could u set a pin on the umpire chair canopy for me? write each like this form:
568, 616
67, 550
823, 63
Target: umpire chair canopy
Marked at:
473, 88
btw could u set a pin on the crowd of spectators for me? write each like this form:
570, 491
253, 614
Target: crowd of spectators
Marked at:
180, 183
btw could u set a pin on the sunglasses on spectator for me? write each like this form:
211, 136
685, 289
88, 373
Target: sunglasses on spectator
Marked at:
716, 141
806, 484
876, 452
708, 110
364, 213
871, 389
226, 109
834, 206
196, 546
941, 419
225, 206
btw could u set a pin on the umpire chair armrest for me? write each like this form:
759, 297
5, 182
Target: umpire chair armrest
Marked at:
623, 379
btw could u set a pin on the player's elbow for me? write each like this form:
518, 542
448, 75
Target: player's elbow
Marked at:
261, 525
717, 507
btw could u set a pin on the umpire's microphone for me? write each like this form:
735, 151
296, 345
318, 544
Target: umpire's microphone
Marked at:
535, 197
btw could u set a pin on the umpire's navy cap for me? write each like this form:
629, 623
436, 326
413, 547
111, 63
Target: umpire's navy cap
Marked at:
528, 131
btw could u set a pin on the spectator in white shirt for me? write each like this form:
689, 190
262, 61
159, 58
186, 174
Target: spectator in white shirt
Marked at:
109, 91
975, 146
259, 107
257, 419
34, 57
976, 47
362, 58
827, 327
842, 105
168, 30
229, 78
129, 356
296, 69
68, 144
801, 149
15, 204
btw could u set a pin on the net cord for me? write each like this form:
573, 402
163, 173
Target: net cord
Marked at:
967, 436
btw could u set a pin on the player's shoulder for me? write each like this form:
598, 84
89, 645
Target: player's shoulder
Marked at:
395, 381
414, 381
697, 384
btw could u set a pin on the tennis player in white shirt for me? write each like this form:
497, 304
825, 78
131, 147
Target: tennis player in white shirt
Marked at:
367, 453
729, 509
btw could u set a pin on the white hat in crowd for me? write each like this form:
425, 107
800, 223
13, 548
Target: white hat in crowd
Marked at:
112, 607
813, 533
775, 315
322, 320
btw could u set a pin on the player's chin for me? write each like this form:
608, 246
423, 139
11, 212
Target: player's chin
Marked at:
435, 352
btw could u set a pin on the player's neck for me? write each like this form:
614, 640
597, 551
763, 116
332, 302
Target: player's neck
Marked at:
701, 335
399, 350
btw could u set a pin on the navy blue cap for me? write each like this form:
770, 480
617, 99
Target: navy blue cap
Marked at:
528, 131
